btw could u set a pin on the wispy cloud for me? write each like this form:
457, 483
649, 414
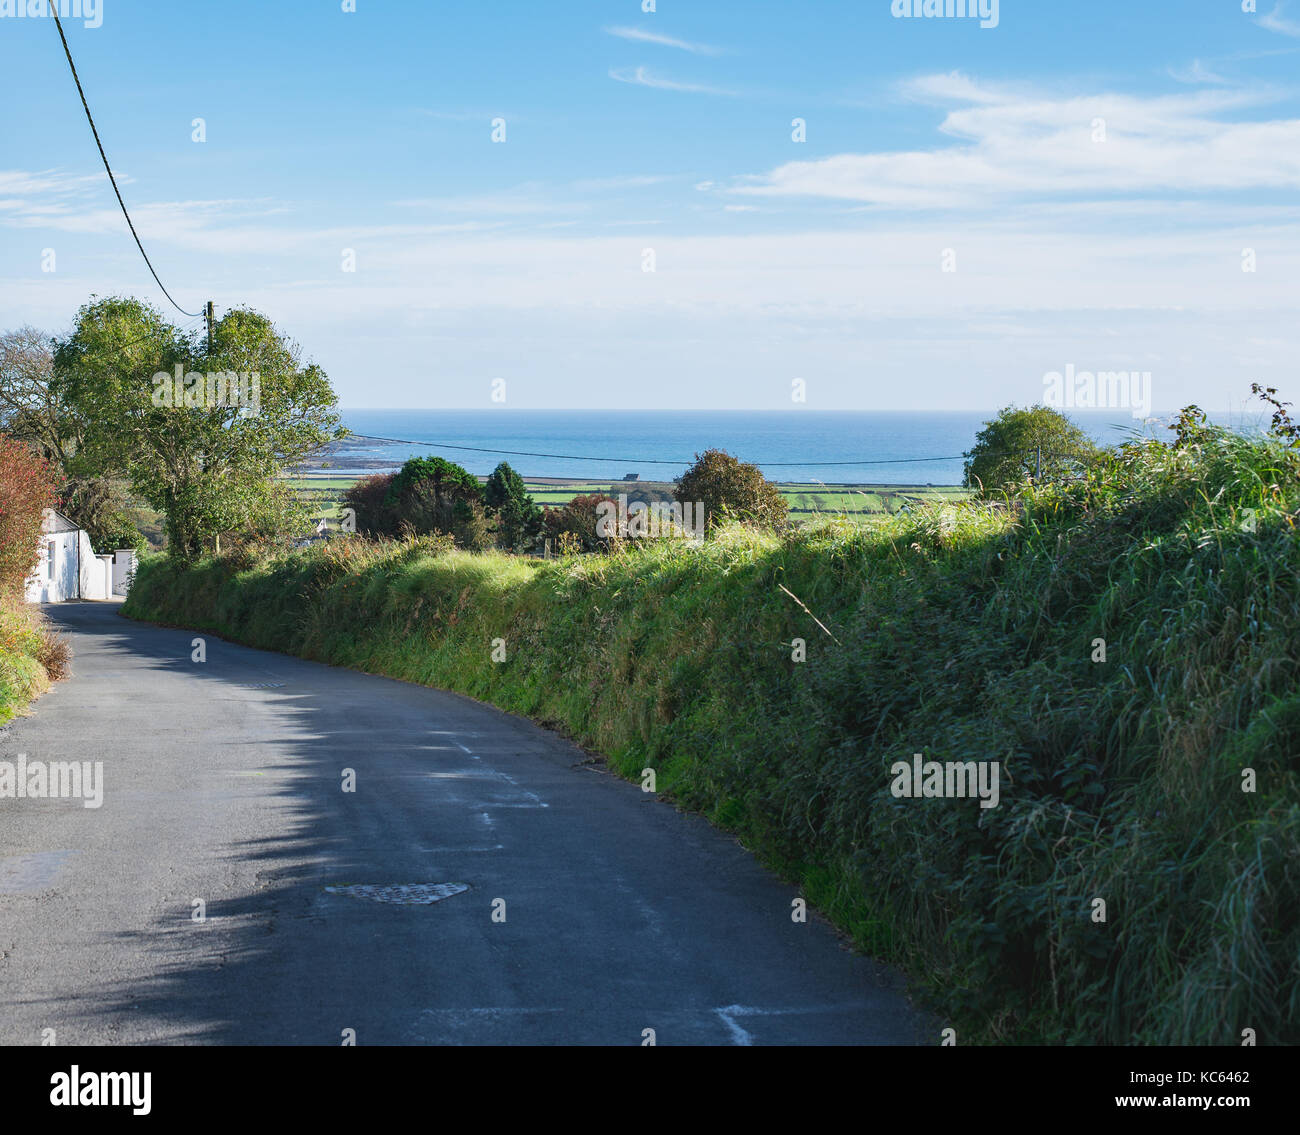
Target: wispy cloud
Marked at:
642, 77
1275, 22
1197, 72
1025, 144
641, 35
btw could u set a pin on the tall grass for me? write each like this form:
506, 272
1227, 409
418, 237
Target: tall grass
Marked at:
963, 632
30, 655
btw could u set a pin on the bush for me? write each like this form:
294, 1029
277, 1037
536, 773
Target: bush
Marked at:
27, 489
729, 488
427, 495
366, 499
573, 527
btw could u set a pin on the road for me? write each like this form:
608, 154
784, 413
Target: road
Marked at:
223, 783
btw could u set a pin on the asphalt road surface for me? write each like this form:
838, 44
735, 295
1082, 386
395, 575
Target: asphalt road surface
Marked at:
590, 911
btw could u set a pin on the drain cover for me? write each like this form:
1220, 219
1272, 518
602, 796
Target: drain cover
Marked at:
406, 893
263, 686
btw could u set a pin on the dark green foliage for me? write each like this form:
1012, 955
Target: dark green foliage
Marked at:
427, 495
518, 519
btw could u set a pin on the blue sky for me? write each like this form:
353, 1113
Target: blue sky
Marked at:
1117, 246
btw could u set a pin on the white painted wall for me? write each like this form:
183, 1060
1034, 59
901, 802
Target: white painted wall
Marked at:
123, 571
69, 568
55, 577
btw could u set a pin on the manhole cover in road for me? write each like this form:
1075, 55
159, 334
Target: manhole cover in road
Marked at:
406, 893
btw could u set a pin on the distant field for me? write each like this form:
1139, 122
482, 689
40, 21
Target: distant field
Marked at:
323, 494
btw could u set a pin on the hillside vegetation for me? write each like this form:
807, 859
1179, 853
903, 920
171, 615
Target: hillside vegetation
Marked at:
961, 632
31, 656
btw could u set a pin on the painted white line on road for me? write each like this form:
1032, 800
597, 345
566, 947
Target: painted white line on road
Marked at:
738, 1035
741, 1036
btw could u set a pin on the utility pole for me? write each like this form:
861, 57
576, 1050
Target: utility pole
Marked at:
207, 311
1038, 461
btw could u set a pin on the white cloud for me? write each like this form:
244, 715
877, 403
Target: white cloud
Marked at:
642, 77
1275, 22
1016, 144
641, 35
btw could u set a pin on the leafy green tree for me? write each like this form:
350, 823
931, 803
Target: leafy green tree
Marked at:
210, 464
519, 520
1022, 444
432, 494
31, 409
728, 487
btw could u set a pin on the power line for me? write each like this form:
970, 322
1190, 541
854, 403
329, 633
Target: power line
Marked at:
111, 178
645, 460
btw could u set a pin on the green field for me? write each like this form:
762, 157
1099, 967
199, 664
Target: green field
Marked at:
323, 495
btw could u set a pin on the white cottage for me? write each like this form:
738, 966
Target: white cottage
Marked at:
68, 567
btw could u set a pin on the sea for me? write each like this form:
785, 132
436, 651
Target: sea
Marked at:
803, 446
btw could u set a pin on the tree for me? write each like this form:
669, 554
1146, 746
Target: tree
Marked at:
155, 406
730, 488
519, 520
30, 409
27, 483
1022, 444
432, 494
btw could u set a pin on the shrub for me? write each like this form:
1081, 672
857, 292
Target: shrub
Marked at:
428, 494
26, 489
366, 499
729, 488
574, 525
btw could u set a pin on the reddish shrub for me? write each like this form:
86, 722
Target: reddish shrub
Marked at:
366, 499
578, 517
27, 488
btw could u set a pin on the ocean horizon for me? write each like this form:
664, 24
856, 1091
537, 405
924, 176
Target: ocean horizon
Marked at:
860, 446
